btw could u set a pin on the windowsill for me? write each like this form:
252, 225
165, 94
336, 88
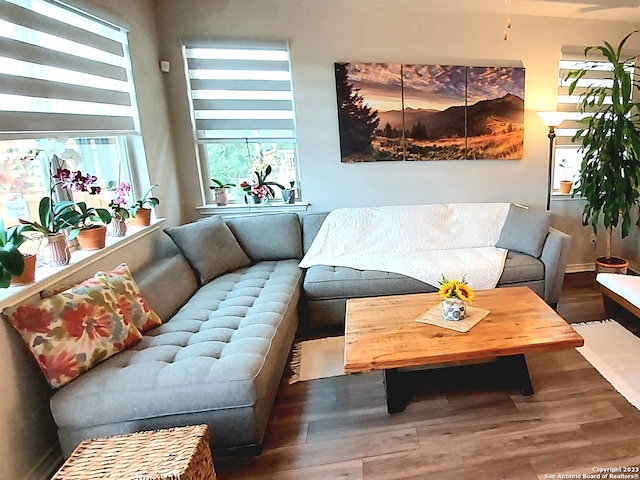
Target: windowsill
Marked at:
240, 209
49, 276
563, 197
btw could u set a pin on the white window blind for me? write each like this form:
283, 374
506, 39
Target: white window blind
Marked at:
62, 71
598, 75
240, 90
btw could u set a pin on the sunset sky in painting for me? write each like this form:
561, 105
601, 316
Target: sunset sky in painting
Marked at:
432, 86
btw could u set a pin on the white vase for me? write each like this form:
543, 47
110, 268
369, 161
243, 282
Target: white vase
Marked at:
55, 251
117, 227
453, 309
221, 196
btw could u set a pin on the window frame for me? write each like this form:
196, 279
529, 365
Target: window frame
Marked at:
202, 137
572, 58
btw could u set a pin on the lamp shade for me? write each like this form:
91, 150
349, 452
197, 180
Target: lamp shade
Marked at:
552, 119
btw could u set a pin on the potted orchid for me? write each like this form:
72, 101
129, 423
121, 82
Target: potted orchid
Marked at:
259, 190
220, 189
57, 217
140, 210
119, 210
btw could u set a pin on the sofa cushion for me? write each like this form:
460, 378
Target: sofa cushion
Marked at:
311, 223
153, 285
209, 246
268, 237
525, 230
72, 331
519, 267
325, 282
132, 305
211, 355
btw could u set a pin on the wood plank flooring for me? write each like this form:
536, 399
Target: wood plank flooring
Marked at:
463, 423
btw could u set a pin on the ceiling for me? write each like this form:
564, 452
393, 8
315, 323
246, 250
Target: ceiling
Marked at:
620, 10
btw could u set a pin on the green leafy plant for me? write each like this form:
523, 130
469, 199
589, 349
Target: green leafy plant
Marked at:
11, 260
219, 184
564, 165
145, 201
54, 217
610, 144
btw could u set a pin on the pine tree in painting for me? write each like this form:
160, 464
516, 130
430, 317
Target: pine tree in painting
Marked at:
357, 121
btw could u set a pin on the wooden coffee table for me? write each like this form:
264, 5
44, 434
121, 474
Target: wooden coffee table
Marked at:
381, 334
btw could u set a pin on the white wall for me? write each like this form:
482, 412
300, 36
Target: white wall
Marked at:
321, 33
28, 439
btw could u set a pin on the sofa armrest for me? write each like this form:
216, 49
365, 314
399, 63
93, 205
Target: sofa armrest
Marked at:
555, 254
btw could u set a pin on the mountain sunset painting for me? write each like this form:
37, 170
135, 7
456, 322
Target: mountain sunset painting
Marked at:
429, 112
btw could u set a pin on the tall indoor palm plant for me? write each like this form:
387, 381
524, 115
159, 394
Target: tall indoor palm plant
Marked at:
610, 144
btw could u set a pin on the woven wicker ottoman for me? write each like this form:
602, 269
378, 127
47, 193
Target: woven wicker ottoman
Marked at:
172, 454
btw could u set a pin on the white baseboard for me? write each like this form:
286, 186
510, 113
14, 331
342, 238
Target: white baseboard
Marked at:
48, 465
590, 267
580, 267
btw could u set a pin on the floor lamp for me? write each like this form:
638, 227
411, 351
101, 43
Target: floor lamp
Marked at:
551, 120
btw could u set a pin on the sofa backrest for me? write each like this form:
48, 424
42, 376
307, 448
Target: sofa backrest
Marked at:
268, 237
311, 223
167, 285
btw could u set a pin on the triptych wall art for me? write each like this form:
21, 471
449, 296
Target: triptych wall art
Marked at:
391, 112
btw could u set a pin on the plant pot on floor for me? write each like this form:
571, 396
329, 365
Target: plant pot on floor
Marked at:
92, 238
611, 265
142, 218
28, 274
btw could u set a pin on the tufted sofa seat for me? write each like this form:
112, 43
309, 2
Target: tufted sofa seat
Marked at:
217, 360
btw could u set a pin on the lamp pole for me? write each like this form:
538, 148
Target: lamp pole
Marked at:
552, 136
551, 120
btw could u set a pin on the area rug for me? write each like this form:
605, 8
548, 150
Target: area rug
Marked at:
320, 358
615, 353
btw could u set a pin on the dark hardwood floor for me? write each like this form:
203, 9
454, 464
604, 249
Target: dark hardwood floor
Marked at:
463, 423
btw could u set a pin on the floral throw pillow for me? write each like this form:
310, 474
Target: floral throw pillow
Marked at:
133, 307
72, 331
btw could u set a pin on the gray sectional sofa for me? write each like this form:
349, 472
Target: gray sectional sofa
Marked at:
219, 355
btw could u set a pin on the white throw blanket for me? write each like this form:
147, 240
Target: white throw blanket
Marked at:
424, 242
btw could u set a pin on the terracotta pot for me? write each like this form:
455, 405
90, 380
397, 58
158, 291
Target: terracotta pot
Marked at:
55, 252
29, 273
92, 238
117, 227
611, 265
142, 218
565, 186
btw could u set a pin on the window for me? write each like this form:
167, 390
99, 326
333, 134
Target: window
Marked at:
65, 83
566, 151
242, 109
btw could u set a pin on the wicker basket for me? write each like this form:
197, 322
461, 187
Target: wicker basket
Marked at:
172, 454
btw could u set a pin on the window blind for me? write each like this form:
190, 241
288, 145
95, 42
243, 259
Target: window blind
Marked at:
240, 90
599, 74
62, 72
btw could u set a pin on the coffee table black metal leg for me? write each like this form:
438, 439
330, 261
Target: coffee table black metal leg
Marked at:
397, 391
515, 368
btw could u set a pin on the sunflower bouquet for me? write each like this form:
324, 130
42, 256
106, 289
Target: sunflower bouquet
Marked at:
456, 289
